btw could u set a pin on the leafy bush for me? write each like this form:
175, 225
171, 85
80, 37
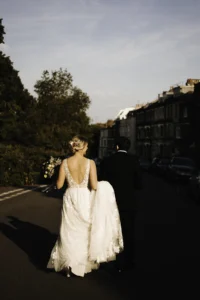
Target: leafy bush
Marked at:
22, 166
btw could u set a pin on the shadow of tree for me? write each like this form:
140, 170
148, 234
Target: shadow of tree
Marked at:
36, 241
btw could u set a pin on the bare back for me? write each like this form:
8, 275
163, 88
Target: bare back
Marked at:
78, 171
77, 167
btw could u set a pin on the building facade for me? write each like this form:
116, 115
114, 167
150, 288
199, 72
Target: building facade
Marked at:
164, 126
124, 125
107, 137
167, 126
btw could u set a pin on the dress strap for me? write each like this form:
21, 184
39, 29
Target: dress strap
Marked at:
65, 166
88, 168
67, 172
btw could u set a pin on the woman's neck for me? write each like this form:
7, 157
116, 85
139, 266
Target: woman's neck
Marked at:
79, 155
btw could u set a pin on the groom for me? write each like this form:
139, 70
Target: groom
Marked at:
122, 171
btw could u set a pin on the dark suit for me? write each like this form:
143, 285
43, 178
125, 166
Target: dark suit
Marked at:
122, 171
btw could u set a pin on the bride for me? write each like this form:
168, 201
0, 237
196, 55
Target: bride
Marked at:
90, 230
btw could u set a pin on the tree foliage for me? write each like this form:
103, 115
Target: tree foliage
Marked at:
61, 109
2, 32
15, 101
32, 129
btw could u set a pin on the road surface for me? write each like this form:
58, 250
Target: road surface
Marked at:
166, 248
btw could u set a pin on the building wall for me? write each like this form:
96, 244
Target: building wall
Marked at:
106, 141
127, 128
164, 127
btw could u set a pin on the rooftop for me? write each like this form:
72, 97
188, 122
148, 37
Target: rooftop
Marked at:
123, 113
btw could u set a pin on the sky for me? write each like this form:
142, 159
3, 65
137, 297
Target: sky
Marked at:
120, 52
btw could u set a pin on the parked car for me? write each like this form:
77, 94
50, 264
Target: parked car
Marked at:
162, 166
181, 169
144, 164
194, 187
153, 165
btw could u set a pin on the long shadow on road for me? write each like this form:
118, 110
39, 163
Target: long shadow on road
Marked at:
37, 242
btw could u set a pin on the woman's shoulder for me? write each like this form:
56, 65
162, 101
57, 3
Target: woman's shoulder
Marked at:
63, 162
92, 163
90, 160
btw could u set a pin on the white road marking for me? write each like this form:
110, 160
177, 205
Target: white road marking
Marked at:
12, 191
21, 193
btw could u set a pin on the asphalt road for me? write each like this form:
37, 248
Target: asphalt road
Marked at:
166, 249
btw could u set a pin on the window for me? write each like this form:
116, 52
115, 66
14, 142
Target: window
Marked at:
176, 110
138, 133
185, 112
166, 109
157, 113
161, 113
151, 131
157, 131
178, 132
148, 132
161, 131
143, 133
167, 130
161, 149
171, 130
110, 143
169, 110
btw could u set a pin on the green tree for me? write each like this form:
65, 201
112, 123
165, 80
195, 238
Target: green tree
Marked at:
2, 32
33, 129
15, 106
15, 101
61, 109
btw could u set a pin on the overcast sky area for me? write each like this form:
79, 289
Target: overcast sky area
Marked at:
120, 52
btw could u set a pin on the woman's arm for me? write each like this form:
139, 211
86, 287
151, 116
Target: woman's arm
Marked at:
61, 176
93, 175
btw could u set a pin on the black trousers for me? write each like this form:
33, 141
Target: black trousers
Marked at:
125, 258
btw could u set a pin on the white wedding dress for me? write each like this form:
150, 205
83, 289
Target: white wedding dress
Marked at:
90, 230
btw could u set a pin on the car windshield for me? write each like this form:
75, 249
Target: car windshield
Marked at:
183, 162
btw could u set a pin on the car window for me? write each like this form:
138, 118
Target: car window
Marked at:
183, 162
